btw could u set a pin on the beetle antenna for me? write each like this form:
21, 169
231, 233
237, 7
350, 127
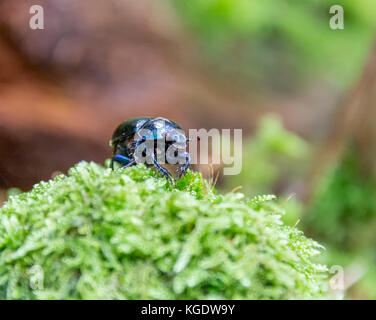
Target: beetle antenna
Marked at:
216, 178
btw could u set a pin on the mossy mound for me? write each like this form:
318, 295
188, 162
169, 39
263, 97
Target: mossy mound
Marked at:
128, 234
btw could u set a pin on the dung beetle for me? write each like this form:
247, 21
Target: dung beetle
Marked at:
152, 141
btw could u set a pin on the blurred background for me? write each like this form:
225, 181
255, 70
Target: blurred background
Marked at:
304, 95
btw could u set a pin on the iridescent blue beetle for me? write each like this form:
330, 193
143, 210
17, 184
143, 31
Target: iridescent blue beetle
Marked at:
132, 136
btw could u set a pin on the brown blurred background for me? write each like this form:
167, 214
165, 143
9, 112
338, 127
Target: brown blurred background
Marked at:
65, 88
97, 63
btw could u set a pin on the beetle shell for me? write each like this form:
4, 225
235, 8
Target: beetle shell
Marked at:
131, 133
127, 129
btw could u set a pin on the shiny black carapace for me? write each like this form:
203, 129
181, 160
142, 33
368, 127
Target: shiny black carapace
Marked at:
143, 138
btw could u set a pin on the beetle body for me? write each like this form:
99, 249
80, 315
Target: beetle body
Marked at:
159, 135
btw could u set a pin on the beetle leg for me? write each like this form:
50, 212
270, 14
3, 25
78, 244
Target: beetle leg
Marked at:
181, 171
164, 172
130, 164
123, 160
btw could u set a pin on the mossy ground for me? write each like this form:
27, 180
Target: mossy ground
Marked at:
129, 234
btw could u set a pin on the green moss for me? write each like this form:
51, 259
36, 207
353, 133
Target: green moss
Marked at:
128, 234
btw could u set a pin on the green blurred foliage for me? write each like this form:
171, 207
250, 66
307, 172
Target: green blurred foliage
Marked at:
342, 214
273, 154
343, 209
359, 265
13, 192
280, 43
129, 234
